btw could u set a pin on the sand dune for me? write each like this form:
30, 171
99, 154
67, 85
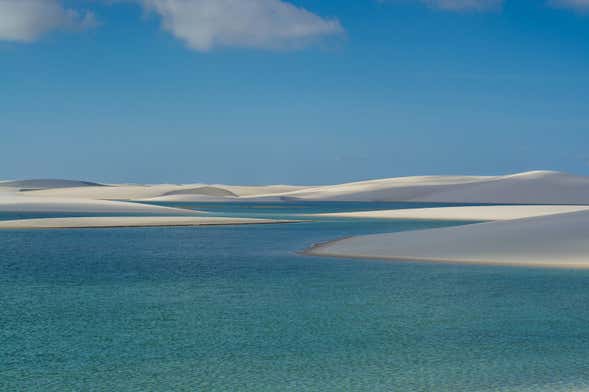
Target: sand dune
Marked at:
113, 192
550, 241
538, 187
199, 194
389, 189
468, 213
167, 192
107, 222
20, 203
204, 191
253, 190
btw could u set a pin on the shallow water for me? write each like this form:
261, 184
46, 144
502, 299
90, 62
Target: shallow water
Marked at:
237, 309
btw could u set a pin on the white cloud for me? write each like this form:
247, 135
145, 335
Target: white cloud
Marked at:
577, 5
27, 20
265, 24
464, 5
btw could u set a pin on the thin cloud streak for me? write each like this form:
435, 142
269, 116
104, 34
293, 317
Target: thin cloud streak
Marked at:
575, 5
464, 5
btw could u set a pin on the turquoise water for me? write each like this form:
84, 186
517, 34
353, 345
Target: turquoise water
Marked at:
237, 309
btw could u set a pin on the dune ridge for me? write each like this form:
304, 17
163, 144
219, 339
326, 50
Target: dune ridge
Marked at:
536, 187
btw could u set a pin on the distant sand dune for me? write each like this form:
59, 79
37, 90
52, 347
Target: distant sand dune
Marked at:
112, 192
199, 194
541, 187
389, 189
167, 192
203, 190
538, 187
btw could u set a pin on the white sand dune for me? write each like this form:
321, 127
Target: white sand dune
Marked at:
549, 241
254, 190
112, 192
389, 189
468, 213
203, 191
198, 194
108, 222
160, 192
538, 187
20, 203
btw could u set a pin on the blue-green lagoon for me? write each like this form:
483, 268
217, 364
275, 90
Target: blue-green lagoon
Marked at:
237, 308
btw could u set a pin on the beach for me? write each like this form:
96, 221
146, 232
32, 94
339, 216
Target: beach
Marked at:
554, 241
126, 221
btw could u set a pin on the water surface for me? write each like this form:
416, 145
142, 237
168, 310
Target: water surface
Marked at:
237, 309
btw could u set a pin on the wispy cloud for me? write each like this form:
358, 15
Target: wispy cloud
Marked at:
576, 5
454, 5
464, 5
263, 24
27, 20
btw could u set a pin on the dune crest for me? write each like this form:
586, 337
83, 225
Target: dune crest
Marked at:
535, 187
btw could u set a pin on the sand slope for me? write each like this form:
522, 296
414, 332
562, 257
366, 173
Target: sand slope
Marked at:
204, 191
468, 213
389, 189
538, 187
198, 194
113, 192
161, 192
550, 241
20, 203
104, 222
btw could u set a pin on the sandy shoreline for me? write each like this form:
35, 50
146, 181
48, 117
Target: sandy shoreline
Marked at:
113, 222
20, 203
555, 241
466, 213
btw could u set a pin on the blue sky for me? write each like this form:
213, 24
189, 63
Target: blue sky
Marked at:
270, 91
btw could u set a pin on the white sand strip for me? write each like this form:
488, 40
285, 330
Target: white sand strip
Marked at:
19, 203
467, 213
548, 241
109, 222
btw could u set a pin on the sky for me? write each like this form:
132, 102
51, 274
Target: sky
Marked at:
299, 92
